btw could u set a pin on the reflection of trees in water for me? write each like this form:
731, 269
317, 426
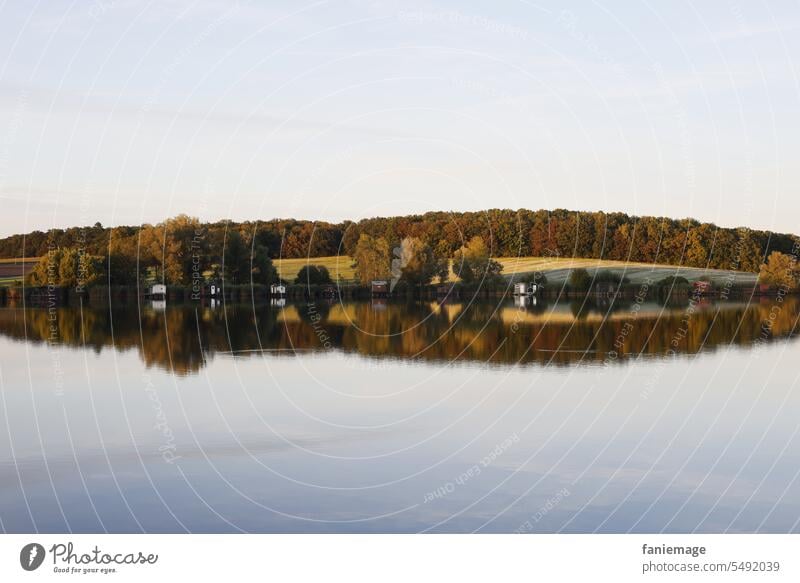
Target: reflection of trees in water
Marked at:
180, 338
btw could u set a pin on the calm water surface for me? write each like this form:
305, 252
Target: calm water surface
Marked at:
401, 417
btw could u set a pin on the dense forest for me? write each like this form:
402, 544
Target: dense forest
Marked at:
558, 233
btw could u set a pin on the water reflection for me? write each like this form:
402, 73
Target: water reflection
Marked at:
181, 339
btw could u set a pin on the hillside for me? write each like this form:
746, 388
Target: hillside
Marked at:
557, 270
509, 233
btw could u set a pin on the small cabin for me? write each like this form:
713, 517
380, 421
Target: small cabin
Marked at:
380, 288
330, 292
277, 290
213, 290
525, 288
158, 292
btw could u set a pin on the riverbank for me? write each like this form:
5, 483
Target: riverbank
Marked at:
99, 295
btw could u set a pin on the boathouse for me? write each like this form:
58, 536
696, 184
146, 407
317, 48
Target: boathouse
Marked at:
380, 288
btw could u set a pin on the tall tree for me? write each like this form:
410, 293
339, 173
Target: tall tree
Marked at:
236, 263
313, 275
419, 264
473, 262
780, 270
371, 259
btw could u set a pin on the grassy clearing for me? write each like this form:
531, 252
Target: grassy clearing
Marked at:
557, 270
340, 267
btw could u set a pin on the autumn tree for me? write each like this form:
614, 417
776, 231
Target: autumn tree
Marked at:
46, 271
473, 262
371, 258
66, 268
780, 270
176, 249
418, 263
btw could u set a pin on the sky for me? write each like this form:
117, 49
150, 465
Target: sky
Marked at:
129, 112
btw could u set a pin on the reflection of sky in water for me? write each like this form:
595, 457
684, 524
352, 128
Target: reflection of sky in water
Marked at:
335, 442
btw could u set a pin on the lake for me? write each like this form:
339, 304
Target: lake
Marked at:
376, 416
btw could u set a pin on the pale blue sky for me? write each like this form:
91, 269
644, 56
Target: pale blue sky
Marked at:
125, 112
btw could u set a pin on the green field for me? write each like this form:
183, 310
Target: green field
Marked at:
557, 270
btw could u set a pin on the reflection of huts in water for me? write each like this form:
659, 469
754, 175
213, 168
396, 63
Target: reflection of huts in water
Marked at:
380, 288
525, 288
523, 301
157, 292
277, 290
379, 304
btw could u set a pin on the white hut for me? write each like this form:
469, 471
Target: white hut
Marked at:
525, 289
158, 292
277, 290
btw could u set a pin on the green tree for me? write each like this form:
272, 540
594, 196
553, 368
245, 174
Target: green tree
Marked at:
579, 279
262, 270
472, 262
418, 263
313, 275
236, 264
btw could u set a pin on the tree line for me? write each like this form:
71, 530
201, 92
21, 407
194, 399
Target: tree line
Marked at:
181, 247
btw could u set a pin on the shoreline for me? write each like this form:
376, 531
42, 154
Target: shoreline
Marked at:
183, 295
